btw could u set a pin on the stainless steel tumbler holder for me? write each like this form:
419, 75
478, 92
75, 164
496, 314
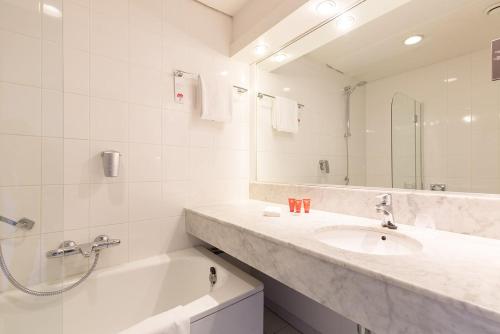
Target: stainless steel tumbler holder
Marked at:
111, 163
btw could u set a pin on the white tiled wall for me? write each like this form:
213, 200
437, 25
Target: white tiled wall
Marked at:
294, 158
100, 77
461, 128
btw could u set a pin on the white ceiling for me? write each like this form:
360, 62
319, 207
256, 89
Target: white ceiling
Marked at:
230, 7
376, 50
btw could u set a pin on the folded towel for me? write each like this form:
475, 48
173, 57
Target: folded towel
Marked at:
174, 321
214, 98
272, 211
285, 115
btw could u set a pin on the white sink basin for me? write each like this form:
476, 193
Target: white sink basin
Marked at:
368, 240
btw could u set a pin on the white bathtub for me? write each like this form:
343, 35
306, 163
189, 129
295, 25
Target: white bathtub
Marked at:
116, 298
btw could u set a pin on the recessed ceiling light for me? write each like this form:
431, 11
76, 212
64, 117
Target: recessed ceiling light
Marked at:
345, 22
51, 10
450, 80
286, 89
224, 73
260, 49
326, 7
412, 40
280, 57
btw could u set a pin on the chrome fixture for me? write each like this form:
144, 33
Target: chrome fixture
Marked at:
324, 166
348, 91
361, 330
68, 248
437, 187
111, 163
23, 223
385, 207
212, 277
262, 95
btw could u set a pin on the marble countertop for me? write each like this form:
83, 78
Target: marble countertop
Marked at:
455, 269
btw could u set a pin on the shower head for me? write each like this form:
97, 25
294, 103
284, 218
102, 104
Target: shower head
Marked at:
361, 84
350, 89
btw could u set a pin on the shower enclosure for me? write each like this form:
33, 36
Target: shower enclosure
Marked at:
406, 144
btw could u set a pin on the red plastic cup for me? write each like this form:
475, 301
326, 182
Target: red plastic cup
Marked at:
291, 204
307, 204
298, 205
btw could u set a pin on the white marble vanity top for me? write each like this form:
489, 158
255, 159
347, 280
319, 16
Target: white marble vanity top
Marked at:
455, 269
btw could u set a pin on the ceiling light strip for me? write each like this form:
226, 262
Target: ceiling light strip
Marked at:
311, 30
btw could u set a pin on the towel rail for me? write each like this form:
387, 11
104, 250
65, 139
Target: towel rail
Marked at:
181, 74
262, 95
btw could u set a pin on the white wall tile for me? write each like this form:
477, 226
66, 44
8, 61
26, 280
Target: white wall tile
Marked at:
76, 116
106, 93
145, 124
175, 197
20, 109
76, 71
52, 66
52, 208
76, 161
21, 160
25, 254
76, 206
109, 34
176, 163
108, 203
52, 20
176, 128
146, 15
76, 25
109, 78
109, 119
145, 200
150, 238
145, 162
52, 161
22, 16
145, 86
145, 49
20, 60
52, 113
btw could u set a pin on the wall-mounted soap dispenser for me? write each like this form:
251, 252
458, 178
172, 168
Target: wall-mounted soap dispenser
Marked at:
111, 163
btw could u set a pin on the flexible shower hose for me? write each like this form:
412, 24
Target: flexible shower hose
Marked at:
28, 291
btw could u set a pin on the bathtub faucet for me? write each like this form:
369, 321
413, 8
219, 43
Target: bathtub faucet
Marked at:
69, 247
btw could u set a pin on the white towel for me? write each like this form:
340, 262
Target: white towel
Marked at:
272, 211
214, 98
174, 321
285, 115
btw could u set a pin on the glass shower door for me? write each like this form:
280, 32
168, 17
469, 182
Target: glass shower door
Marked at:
406, 147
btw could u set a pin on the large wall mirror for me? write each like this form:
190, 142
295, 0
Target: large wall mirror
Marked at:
385, 94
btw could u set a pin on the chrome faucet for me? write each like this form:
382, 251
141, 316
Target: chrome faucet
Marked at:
385, 208
69, 247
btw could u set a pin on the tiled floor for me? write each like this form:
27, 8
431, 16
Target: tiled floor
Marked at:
273, 324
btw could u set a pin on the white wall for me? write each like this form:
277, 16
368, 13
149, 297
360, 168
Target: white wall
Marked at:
101, 78
461, 113
293, 158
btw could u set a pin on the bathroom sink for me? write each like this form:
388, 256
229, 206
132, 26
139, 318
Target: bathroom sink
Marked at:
368, 240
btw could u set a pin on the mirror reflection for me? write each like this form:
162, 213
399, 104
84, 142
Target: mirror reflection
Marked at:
413, 104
